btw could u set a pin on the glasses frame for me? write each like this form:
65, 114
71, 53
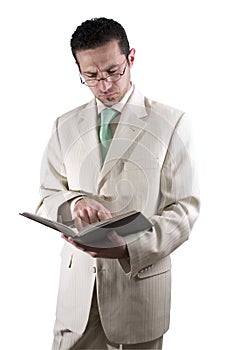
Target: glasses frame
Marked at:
96, 81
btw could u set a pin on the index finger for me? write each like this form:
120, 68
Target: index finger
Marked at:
103, 215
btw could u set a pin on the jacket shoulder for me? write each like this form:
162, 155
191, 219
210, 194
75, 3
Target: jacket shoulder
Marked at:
162, 111
72, 114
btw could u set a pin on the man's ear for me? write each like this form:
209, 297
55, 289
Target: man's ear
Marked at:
131, 56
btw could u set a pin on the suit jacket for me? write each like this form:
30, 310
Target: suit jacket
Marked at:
149, 167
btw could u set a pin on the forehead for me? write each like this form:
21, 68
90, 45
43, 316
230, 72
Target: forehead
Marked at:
101, 57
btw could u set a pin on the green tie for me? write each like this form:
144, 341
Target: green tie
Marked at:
105, 133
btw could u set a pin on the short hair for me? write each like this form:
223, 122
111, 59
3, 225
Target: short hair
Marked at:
96, 32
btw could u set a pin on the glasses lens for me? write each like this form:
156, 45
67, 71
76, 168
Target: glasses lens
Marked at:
110, 78
91, 82
113, 77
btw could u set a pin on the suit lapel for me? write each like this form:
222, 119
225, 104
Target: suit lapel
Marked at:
88, 129
129, 129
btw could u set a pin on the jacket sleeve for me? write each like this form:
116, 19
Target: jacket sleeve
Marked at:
54, 188
178, 208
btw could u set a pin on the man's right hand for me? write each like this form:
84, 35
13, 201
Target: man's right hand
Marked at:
89, 211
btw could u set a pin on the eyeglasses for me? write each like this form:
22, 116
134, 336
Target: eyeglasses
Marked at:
110, 78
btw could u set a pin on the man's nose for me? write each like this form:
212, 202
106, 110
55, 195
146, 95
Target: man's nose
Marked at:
104, 85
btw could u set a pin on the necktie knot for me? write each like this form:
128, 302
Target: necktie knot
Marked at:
107, 115
105, 133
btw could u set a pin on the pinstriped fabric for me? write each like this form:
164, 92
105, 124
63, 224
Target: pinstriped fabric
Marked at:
132, 303
146, 167
93, 338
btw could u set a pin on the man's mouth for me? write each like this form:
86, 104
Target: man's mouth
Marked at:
108, 94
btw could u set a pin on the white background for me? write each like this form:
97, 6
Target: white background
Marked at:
184, 59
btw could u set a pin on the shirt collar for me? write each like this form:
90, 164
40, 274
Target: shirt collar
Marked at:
118, 106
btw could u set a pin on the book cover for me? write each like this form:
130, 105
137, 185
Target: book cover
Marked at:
93, 234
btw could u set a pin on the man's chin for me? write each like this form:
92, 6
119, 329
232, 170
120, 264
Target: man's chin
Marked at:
110, 99
109, 102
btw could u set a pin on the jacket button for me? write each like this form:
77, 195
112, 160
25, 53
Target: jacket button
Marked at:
94, 269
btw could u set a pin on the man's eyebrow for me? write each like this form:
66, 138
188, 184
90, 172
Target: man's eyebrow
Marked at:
89, 72
115, 65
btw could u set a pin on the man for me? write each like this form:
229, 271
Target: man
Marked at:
117, 297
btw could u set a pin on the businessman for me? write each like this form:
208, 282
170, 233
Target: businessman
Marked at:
117, 153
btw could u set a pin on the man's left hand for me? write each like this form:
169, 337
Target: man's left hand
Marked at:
114, 248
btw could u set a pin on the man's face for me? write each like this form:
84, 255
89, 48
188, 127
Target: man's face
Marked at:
100, 63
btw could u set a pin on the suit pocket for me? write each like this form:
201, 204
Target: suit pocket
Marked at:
141, 164
67, 256
140, 172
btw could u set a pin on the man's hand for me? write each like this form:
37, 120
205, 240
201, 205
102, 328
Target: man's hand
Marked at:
89, 211
114, 248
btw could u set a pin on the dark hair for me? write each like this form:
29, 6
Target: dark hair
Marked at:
97, 32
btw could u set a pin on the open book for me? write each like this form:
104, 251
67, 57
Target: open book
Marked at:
94, 235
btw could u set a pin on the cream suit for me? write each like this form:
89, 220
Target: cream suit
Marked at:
149, 167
